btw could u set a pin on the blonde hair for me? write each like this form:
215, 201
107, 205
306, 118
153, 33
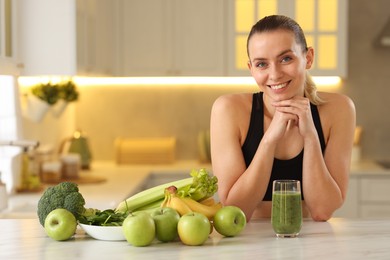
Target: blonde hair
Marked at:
310, 89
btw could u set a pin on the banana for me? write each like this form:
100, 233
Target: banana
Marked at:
179, 205
208, 211
208, 202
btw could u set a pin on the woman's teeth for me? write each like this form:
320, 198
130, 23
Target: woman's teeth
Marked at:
278, 86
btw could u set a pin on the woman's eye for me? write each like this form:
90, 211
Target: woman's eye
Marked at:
261, 65
286, 59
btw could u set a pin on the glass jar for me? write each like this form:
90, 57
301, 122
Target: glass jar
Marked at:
70, 165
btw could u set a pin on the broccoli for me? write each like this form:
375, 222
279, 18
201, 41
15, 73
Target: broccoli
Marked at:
64, 195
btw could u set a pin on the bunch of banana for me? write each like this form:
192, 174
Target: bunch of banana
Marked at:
207, 207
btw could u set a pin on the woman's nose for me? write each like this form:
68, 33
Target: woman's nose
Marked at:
275, 72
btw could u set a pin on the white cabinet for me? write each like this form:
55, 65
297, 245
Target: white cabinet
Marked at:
47, 37
368, 197
323, 21
172, 37
8, 37
96, 41
374, 197
350, 208
67, 37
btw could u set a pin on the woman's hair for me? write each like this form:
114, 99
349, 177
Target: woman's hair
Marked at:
277, 22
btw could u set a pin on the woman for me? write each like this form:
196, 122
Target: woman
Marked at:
286, 131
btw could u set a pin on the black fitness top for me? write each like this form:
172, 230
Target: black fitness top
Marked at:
281, 169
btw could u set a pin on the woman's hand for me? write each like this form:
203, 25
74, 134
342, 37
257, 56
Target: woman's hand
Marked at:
278, 126
298, 111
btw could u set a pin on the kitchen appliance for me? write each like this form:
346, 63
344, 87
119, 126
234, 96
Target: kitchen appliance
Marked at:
156, 150
78, 144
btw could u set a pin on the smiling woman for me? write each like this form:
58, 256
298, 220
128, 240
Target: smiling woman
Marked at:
288, 130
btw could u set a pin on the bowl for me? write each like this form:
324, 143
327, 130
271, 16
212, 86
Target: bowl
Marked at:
109, 233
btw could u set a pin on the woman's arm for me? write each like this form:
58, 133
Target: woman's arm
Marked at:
325, 181
325, 178
238, 185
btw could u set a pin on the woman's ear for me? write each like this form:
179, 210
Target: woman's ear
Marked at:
309, 57
249, 65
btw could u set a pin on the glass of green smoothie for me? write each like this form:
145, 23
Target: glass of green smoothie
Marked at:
286, 216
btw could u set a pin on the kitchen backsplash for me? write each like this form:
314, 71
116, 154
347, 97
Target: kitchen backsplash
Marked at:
105, 113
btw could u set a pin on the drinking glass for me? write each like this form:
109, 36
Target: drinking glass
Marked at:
286, 216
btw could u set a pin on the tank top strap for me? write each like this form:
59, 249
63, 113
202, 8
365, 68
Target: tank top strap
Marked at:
317, 123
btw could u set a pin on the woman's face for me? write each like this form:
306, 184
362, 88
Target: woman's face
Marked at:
278, 63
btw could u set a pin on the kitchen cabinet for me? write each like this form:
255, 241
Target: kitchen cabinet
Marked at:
367, 197
172, 38
350, 208
374, 198
96, 37
47, 37
67, 37
323, 21
8, 50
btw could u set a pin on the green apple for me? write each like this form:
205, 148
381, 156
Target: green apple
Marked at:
165, 220
60, 224
193, 229
139, 228
229, 221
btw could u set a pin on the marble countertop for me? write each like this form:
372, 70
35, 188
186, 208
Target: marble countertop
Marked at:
336, 239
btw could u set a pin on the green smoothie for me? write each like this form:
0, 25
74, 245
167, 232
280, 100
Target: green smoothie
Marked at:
286, 213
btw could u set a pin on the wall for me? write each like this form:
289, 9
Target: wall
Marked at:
107, 112
368, 75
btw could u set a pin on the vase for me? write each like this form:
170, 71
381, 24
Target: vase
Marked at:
35, 109
59, 107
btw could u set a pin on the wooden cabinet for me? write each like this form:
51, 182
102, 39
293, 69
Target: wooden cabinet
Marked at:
323, 21
367, 197
172, 38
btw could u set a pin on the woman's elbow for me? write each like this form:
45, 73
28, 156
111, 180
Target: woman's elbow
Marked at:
321, 217
321, 214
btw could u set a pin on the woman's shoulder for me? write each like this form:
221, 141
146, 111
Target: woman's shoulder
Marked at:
336, 101
336, 108
233, 100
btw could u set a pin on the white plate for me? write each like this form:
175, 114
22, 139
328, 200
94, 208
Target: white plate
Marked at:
111, 233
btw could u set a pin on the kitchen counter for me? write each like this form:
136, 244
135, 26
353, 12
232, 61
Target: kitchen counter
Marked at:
336, 239
121, 181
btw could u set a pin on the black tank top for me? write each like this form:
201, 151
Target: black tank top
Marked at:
281, 169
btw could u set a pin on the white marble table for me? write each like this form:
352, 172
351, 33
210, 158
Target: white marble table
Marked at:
335, 239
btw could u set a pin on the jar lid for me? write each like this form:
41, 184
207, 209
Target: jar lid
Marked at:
71, 158
54, 166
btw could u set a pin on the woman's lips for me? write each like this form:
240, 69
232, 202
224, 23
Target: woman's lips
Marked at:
279, 86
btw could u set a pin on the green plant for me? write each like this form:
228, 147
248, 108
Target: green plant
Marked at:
51, 93
68, 91
46, 92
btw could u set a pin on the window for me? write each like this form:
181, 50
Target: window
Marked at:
323, 21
